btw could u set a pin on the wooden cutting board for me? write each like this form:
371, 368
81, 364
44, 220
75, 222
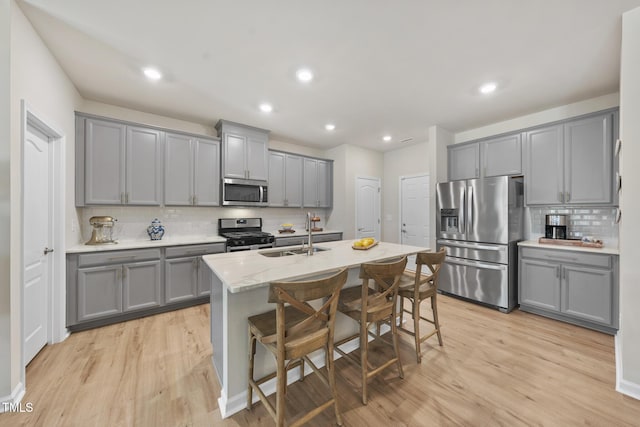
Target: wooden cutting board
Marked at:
570, 242
364, 248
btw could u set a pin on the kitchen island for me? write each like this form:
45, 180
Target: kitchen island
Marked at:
240, 283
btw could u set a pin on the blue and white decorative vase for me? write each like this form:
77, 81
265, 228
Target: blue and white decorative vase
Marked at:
155, 230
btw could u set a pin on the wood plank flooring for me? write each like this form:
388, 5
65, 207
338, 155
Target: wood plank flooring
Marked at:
494, 369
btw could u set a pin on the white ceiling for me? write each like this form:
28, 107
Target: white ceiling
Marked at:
382, 67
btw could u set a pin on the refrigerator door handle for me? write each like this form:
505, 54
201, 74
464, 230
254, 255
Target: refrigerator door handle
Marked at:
470, 209
476, 264
470, 245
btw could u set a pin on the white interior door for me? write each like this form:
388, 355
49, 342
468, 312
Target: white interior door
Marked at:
37, 241
414, 213
367, 208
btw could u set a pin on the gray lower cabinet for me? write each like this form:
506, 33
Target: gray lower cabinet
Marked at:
108, 287
129, 281
577, 287
299, 240
186, 276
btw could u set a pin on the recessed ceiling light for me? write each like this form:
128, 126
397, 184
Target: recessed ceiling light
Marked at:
304, 75
266, 108
152, 73
488, 88
386, 138
329, 126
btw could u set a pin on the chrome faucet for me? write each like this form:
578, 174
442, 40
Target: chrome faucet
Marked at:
310, 240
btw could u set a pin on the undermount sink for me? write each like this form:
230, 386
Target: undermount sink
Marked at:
287, 252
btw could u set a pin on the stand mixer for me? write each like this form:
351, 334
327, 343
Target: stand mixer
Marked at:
102, 232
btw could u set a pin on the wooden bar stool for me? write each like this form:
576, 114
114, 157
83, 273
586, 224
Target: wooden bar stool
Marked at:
417, 287
371, 306
290, 333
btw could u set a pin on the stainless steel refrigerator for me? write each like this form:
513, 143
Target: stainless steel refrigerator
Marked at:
479, 222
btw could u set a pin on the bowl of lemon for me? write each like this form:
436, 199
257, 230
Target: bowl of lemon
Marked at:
364, 244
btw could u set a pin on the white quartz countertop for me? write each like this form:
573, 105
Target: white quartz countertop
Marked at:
144, 244
535, 244
246, 270
303, 233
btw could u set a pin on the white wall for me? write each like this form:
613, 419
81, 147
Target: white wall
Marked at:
350, 162
406, 161
5, 249
628, 339
37, 78
541, 117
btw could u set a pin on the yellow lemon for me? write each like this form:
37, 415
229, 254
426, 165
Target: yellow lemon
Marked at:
358, 244
368, 241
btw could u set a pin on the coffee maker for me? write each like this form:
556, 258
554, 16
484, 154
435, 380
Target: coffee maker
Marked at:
556, 227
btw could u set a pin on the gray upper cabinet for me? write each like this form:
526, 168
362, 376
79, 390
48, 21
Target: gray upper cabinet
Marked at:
317, 183
571, 163
244, 148
285, 179
502, 156
463, 161
192, 171
144, 167
103, 162
588, 160
544, 166
117, 164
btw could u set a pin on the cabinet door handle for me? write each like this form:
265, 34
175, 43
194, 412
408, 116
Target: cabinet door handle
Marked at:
567, 197
122, 198
560, 196
195, 200
126, 198
558, 272
564, 274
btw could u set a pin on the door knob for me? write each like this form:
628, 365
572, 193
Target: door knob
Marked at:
360, 229
404, 231
47, 250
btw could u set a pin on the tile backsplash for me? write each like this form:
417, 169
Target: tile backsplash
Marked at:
189, 221
590, 221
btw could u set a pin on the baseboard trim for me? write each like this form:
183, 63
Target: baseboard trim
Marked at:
628, 388
236, 403
13, 399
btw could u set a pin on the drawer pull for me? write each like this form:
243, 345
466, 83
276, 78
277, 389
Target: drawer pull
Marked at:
120, 258
564, 258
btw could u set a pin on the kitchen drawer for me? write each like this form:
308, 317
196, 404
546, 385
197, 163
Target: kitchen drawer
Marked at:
194, 250
290, 241
327, 237
118, 257
566, 256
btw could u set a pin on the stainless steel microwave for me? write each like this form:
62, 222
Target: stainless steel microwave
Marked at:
244, 192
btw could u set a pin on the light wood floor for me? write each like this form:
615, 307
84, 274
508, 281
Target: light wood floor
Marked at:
494, 369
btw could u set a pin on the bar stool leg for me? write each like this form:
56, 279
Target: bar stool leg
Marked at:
332, 381
281, 390
434, 308
396, 347
364, 345
252, 352
416, 328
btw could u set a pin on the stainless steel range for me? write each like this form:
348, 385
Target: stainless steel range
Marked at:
244, 234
